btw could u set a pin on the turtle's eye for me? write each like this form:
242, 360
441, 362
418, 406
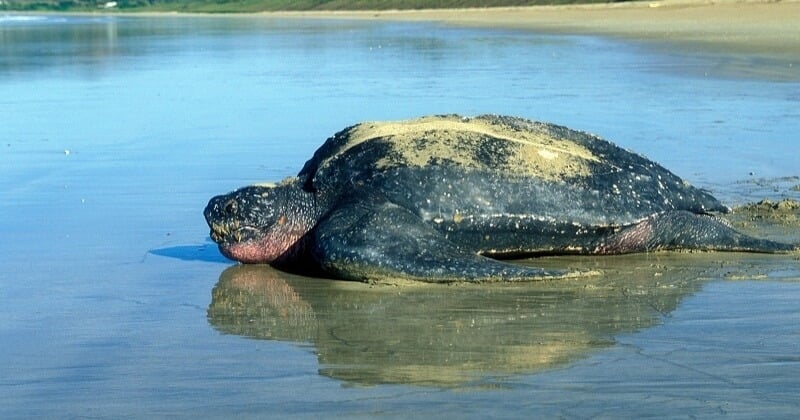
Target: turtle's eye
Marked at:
231, 207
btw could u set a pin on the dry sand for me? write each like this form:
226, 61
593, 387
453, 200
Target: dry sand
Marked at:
756, 26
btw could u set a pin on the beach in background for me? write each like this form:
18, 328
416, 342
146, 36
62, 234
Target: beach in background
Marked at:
762, 28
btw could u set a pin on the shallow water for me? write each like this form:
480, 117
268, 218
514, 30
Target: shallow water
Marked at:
116, 130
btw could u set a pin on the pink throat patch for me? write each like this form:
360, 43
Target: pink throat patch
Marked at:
251, 252
264, 249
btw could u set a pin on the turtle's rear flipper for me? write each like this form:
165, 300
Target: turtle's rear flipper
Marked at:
684, 230
377, 240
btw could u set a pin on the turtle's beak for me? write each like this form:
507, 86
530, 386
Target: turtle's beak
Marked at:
219, 215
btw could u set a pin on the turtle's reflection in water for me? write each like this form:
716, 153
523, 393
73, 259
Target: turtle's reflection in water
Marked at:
460, 335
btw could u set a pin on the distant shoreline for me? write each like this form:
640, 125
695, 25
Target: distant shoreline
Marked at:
762, 28
754, 26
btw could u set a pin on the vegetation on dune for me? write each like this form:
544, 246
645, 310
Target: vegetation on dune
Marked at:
248, 6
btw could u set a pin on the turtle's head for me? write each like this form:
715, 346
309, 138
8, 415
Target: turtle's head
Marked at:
261, 223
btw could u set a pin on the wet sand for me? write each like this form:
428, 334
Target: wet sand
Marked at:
763, 27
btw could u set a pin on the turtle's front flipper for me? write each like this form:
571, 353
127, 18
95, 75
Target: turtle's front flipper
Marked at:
377, 240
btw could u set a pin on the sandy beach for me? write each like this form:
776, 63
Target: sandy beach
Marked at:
761, 27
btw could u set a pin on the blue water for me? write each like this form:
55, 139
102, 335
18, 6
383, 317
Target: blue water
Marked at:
114, 132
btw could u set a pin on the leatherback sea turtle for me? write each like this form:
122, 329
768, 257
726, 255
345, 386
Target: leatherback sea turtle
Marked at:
442, 198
